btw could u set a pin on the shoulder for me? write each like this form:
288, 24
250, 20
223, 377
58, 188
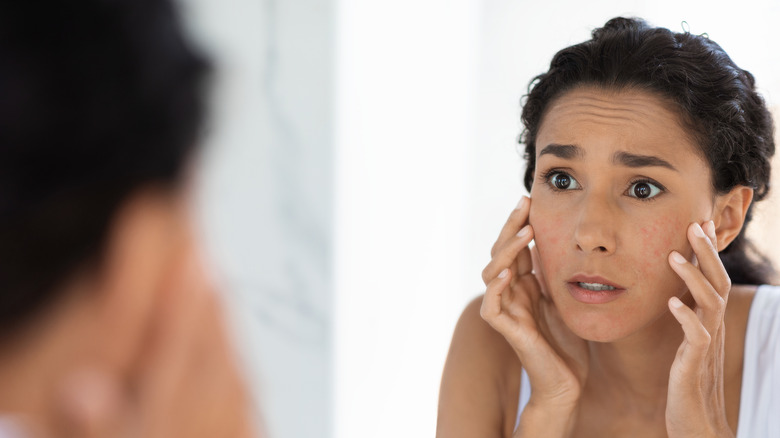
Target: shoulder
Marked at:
753, 329
480, 383
737, 313
740, 300
473, 334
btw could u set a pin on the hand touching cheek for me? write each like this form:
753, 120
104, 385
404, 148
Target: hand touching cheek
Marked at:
696, 402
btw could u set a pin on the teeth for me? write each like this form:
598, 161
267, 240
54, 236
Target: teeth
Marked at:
596, 287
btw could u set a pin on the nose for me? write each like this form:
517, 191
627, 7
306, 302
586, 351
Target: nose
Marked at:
595, 231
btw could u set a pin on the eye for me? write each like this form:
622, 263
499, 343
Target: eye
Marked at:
643, 190
562, 181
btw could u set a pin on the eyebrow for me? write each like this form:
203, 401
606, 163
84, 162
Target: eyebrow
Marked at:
565, 151
627, 159
634, 160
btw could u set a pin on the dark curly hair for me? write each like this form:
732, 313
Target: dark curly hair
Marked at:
717, 102
98, 98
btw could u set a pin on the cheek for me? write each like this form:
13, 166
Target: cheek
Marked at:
550, 236
656, 238
659, 236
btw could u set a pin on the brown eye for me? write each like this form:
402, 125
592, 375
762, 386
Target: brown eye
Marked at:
563, 181
643, 190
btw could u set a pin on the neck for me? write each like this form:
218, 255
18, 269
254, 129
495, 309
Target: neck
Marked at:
633, 373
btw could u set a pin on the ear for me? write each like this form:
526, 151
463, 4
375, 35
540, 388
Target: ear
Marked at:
147, 238
730, 212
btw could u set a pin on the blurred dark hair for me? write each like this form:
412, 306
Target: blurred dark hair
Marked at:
98, 98
716, 100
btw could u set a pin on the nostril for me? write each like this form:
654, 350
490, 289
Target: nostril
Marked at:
595, 249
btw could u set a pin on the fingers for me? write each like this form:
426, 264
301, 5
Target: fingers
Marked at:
512, 322
514, 254
707, 254
710, 304
504, 306
189, 370
696, 376
692, 355
89, 406
695, 334
173, 337
185, 382
510, 250
517, 219
491, 310
708, 283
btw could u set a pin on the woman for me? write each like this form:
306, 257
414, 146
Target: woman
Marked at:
108, 325
646, 150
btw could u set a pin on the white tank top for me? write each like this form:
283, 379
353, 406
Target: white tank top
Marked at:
759, 410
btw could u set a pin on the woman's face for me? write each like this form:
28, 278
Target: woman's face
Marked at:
617, 182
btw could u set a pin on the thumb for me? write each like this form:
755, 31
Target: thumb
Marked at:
88, 406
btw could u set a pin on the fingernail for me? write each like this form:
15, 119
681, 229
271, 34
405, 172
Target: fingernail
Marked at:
710, 225
678, 258
521, 203
698, 231
675, 302
524, 231
503, 273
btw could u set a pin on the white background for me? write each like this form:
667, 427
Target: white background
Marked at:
362, 159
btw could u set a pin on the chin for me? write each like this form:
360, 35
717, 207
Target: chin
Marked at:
598, 334
601, 323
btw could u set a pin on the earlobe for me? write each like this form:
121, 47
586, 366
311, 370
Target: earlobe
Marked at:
730, 213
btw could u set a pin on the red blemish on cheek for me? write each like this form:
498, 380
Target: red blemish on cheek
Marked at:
547, 232
649, 235
657, 238
549, 235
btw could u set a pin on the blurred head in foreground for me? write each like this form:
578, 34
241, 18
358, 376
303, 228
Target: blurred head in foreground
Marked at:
107, 322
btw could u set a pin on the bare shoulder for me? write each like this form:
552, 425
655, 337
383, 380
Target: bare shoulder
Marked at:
736, 318
740, 299
481, 379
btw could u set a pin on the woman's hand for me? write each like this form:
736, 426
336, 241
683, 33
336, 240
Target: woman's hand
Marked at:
695, 405
555, 359
186, 382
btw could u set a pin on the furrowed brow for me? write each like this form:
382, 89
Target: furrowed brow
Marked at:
634, 160
565, 151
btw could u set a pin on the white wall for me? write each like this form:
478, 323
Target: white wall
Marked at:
267, 197
405, 93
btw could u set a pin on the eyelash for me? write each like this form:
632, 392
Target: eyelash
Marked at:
545, 177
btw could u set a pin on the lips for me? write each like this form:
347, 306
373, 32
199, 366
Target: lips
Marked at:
593, 289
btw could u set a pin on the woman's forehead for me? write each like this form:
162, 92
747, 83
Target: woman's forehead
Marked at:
606, 121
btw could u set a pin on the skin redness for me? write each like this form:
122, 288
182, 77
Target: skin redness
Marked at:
617, 182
